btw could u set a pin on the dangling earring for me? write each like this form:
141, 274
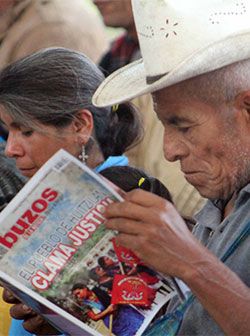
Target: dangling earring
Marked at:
83, 156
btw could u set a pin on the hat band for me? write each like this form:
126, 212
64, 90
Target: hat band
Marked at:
152, 79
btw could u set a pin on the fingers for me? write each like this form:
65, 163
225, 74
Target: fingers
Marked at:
145, 198
140, 245
126, 210
125, 226
140, 211
9, 297
138, 205
33, 322
20, 311
39, 326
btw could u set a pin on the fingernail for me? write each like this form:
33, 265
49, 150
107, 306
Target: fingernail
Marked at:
26, 309
11, 296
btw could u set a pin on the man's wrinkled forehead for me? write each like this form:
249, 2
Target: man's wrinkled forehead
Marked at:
167, 109
171, 96
202, 88
180, 104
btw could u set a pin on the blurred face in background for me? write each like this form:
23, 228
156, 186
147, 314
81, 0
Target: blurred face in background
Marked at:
5, 5
116, 13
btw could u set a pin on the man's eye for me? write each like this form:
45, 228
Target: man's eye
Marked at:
27, 133
184, 129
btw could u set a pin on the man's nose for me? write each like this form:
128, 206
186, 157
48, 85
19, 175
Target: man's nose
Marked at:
174, 149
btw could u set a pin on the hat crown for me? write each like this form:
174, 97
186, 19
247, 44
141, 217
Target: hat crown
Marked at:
179, 39
170, 31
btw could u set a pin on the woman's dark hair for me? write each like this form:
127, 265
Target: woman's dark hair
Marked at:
101, 294
127, 178
101, 261
78, 285
93, 275
53, 85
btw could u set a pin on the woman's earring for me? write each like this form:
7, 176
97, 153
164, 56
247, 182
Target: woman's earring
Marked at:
83, 156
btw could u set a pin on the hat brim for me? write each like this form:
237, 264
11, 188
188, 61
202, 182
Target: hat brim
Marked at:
130, 81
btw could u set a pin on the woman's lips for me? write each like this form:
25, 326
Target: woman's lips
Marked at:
27, 171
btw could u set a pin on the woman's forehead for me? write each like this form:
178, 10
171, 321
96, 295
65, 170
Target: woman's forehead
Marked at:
5, 118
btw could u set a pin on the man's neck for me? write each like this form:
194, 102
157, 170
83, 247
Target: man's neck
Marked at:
229, 206
131, 31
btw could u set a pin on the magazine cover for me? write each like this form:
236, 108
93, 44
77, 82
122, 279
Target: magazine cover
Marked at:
58, 258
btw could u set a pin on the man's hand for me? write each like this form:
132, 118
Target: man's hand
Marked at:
33, 322
152, 228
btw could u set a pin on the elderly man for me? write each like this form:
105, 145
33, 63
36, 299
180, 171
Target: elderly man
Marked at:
196, 61
147, 154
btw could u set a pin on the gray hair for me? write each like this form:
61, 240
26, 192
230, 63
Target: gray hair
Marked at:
220, 85
52, 85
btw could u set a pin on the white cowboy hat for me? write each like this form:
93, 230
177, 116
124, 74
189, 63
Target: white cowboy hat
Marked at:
179, 39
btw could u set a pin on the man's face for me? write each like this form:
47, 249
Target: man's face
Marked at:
116, 13
211, 142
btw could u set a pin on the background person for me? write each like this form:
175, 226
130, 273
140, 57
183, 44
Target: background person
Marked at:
29, 25
125, 48
44, 116
201, 89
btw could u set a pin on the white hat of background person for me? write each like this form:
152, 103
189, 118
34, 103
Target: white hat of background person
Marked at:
179, 39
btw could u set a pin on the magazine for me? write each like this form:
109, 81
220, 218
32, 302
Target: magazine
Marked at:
53, 247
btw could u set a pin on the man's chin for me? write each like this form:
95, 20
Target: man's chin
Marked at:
207, 193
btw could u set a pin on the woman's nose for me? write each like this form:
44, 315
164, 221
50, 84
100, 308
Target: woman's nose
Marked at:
13, 148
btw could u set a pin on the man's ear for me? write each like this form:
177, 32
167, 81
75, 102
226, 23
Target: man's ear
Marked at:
242, 102
247, 101
83, 126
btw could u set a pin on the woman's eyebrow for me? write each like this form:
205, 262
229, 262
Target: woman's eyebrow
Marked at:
15, 124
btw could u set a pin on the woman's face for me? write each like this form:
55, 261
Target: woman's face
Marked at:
108, 261
32, 148
81, 293
99, 271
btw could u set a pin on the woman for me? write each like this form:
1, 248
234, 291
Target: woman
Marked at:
45, 104
97, 306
